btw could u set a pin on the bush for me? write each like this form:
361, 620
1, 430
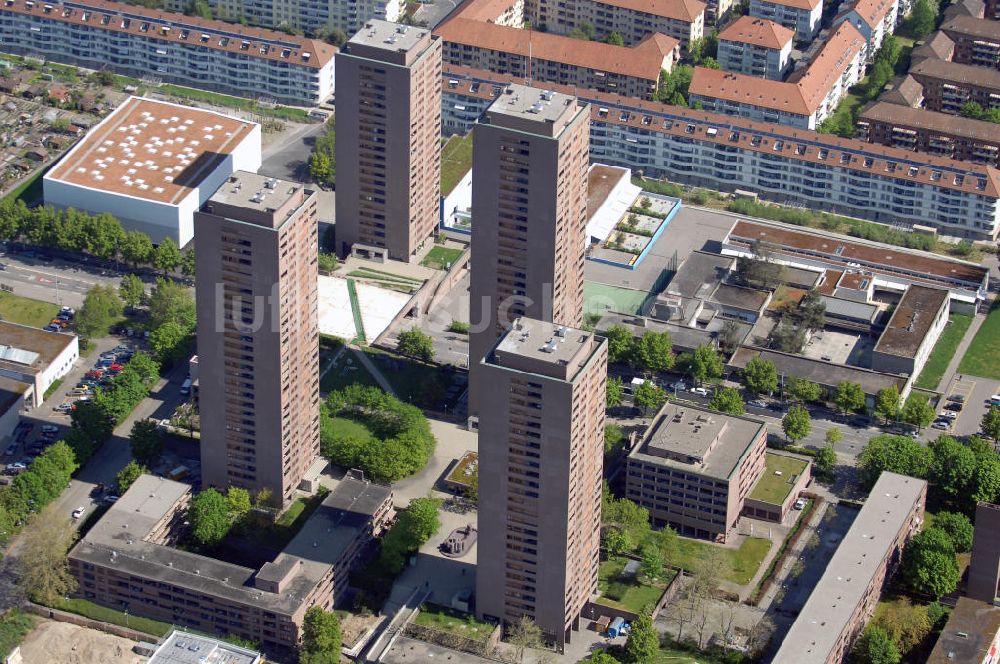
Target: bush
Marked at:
414, 525
616, 590
403, 441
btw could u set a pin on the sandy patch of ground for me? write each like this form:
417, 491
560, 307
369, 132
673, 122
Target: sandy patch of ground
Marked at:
54, 642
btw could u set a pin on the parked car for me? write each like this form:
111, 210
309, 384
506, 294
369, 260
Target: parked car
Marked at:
63, 407
800, 504
78, 512
700, 391
49, 428
680, 386
111, 499
17, 466
959, 398
941, 424
51, 328
947, 415
94, 373
757, 403
69, 311
955, 406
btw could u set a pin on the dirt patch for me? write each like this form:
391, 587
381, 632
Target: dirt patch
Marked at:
54, 642
353, 626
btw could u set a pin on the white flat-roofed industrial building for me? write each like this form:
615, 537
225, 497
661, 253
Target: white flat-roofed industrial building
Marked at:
151, 164
845, 597
35, 359
187, 648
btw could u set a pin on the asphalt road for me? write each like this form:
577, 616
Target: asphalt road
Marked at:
286, 156
57, 281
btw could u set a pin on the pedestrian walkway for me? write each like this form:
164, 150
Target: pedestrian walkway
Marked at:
781, 575
949, 374
373, 370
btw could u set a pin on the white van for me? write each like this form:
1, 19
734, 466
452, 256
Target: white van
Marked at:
186, 386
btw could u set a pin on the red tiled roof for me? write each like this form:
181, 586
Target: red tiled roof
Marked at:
758, 32
802, 96
644, 60
788, 142
807, 5
681, 10
872, 12
168, 26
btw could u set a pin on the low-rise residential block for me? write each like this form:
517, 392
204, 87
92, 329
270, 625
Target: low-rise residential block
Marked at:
977, 41
756, 47
948, 86
802, 16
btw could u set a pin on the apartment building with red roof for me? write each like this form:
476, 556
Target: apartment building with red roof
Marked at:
874, 19
778, 163
684, 20
175, 48
802, 16
756, 47
804, 101
977, 41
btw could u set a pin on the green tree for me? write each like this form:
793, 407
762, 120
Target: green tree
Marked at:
615, 39
922, 19
760, 269
706, 365
168, 342
887, 403
209, 517
760, 376
414, 526
131, 290
653, 562
524, 634
615, 392
917, 411
876, 647
803, 390
166, 256
616, 542
833, 436
129, 474
319, 167
953, 466
146, 442
44, 571
620, 343
170, 301
416, 344
991, 423
188, 263
727, 400
136, 248
649, 396
929, 565
653, 351
321, 637
643, 644
825, 460
101, 308
238, 500
897, 454
849, 397
796, 423
613, 436
958, 528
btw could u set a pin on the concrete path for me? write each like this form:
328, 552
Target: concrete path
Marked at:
949, 374
795, 553
373, 370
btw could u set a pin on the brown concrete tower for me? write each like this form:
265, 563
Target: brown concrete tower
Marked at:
529, 211
388, 140
541, 433
258, 342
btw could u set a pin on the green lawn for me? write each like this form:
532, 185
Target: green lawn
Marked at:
456, 160
56, 384
13, 628
422, 385
627, 594
983, 356
772, 488
441, 258
31, 189
743, 562
89, 609
343, 426
282, 112
447, 620
343, 373
943, 351
24, 310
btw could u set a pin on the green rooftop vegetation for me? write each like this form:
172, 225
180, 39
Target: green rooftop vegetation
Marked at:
456, 160
441, 258
774, 488
444, 619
